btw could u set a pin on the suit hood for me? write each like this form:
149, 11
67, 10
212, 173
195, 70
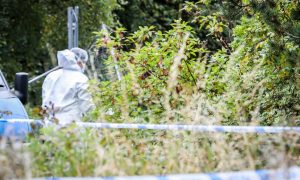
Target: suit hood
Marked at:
67, 60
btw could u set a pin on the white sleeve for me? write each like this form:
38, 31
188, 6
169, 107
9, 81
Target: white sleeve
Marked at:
84, 98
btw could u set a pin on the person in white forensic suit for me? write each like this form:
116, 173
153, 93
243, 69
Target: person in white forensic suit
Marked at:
65, 91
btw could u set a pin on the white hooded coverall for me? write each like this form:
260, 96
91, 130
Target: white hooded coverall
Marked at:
64, 91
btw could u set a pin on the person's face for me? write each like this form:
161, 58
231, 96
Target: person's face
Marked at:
81, 65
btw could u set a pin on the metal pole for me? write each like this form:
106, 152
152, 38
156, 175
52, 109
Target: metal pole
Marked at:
44, 74
75, 21
73, 26
119, 74
70, 31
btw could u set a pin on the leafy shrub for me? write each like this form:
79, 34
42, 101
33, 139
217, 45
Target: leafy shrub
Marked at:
260, 82
68, 151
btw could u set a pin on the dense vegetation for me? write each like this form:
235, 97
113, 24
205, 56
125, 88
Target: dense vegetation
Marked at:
243, 68
32, 32
223, 62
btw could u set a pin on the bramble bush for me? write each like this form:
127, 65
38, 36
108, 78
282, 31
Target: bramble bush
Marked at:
255, 83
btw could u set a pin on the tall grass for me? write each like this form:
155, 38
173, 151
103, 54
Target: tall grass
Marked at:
146, 152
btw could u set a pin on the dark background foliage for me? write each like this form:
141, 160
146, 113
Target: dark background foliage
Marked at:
32, 31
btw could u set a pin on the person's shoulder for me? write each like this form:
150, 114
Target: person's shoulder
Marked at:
54, 74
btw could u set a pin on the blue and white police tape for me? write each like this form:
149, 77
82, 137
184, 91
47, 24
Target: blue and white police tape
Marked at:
292, 173
197, 128
18, 120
